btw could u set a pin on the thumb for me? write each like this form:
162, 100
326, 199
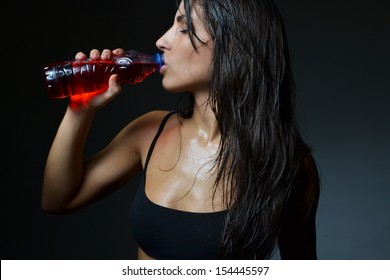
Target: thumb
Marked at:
114, 88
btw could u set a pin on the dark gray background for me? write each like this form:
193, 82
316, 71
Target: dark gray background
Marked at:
340, 55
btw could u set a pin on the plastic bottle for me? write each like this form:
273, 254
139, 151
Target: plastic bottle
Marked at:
64, 79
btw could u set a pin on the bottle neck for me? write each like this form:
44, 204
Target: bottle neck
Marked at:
139, 57
159, 57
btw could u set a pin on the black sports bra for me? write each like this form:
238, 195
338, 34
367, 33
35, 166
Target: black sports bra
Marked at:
165, 233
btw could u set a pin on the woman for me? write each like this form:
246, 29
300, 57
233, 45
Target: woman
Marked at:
229, 176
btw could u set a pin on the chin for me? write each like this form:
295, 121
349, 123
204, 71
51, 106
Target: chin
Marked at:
172, 87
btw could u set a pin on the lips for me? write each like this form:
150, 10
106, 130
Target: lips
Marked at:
162, 69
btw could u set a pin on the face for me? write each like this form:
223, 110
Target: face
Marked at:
187, 68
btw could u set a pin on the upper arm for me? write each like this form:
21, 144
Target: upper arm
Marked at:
297, 238
118, 162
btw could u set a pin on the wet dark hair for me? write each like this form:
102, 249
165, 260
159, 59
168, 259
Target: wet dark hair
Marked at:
252, 96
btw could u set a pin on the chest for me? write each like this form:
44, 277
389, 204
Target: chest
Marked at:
181, 175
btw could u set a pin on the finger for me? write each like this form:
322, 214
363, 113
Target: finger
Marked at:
114, 86
94, 54
118, 52
106, 54
80, 56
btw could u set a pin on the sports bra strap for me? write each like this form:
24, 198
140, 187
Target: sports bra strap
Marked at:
160, 129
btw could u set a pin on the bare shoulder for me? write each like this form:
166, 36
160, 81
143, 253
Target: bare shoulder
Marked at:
143, 129
148, 121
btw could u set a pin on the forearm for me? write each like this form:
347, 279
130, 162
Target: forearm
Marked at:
64, 169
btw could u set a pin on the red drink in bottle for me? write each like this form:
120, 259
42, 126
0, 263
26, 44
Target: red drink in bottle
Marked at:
65, 79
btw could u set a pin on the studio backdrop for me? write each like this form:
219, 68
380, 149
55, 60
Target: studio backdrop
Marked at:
340, 59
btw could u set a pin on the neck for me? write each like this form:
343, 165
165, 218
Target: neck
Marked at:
204, 121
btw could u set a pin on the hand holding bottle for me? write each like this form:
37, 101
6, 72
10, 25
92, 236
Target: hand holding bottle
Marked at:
96, 100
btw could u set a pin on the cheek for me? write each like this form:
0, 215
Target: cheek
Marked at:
201, 66
189, 78
197, 69
189, 72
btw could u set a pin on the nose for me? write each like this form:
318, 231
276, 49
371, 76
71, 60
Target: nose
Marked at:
165, 42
